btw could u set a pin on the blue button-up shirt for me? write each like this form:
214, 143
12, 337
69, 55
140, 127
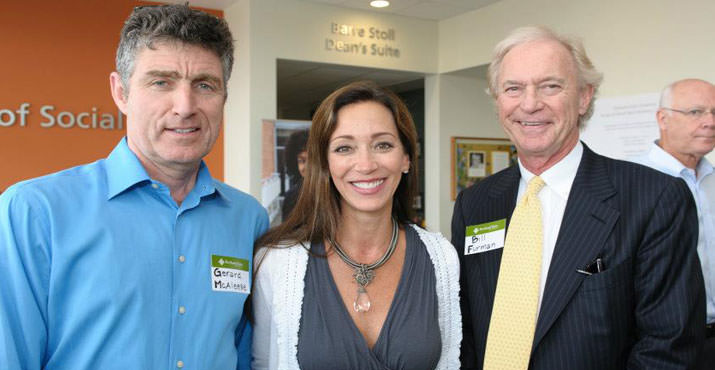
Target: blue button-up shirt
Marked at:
701, 182
100, 269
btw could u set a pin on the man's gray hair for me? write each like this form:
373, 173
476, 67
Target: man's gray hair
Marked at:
666, 96
586, 72
172, 23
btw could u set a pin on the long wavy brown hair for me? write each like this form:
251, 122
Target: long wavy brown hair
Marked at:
317, 211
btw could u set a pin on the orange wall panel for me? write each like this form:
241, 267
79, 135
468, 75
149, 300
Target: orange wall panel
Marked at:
60, 53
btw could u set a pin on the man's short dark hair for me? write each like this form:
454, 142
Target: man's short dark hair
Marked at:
296, 144
172, 23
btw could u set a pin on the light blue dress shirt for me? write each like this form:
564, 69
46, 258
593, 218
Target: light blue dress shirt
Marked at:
703, 188
100, 269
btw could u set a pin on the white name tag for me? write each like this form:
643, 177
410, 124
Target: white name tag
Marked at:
484, 237
229, 274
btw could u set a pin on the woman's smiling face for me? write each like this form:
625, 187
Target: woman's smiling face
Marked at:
366, 158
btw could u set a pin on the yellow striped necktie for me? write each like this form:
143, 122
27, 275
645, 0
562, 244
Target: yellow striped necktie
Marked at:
514, 313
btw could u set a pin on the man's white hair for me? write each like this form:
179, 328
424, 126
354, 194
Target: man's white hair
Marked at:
587, 74
666, 96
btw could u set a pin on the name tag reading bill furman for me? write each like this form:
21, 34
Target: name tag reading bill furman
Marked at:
484, 237
229, 274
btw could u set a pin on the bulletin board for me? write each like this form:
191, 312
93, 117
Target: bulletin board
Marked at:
475, 158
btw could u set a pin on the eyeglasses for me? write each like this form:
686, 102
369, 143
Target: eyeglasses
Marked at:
694, 113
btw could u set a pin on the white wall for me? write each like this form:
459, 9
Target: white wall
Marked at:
640, 45
238, 132
464, 110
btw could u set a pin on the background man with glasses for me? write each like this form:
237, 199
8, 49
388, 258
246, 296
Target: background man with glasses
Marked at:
141, 260
686, 119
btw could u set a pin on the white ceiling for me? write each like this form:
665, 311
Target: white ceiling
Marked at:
425, 9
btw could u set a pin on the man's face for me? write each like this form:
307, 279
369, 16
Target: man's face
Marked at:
539, 101
683, 135
302, 161
174, 105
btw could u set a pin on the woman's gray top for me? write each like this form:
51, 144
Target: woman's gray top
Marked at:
409, 338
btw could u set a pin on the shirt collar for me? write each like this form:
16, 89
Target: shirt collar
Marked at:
704, 168
670, 165
561, 175
666, 162
124, 170
205, 184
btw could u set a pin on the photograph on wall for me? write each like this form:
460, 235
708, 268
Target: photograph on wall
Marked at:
473, 159
476, 164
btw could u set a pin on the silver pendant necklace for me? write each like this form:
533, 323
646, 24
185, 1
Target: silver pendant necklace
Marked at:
364, 273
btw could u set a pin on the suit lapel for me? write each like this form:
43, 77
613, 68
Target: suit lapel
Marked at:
507, 186
586, 225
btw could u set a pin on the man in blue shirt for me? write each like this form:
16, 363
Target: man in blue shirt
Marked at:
141, 260
686, 118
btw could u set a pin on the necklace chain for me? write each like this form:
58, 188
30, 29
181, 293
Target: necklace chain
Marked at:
364, 273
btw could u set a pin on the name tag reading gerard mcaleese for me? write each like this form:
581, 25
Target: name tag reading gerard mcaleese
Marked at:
229, 274
484, 237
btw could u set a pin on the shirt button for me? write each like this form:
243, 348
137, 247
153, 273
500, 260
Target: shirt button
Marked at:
182, 258
180, 364
155, 186
182, 310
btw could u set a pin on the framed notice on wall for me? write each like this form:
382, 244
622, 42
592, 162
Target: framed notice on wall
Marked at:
475, 158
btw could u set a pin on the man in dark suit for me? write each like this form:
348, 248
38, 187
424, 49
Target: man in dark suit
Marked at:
617, 280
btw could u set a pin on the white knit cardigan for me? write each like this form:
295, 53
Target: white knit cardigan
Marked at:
278, 300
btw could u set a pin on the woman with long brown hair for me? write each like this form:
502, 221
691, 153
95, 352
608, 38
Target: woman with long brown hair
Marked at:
347, 281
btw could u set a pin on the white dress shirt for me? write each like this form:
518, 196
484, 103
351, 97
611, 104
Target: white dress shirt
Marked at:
701, 182
553, 197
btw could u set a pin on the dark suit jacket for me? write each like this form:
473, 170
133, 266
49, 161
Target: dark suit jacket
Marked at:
646, 310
